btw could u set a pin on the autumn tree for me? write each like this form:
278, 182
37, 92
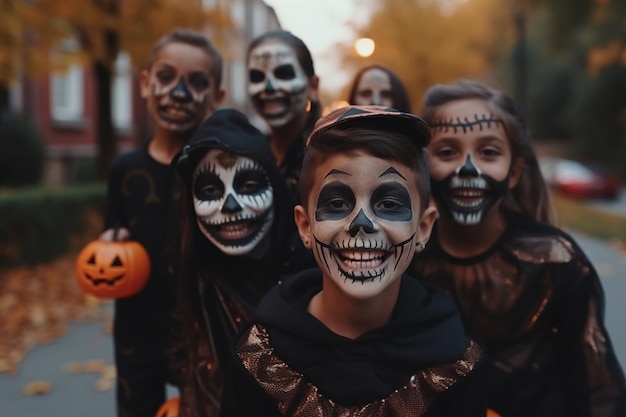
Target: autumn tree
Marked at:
428, 42
16, 58
94, 32
564, 60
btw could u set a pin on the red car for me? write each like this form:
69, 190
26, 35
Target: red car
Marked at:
580, 180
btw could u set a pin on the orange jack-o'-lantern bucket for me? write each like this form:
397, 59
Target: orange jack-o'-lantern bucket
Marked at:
112, 269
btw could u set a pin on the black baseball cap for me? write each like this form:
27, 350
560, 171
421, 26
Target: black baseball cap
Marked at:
375, 117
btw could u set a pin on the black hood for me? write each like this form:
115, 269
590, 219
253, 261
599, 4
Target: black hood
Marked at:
425, 330
228, 130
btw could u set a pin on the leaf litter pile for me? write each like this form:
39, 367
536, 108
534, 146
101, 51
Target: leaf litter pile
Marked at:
36, 305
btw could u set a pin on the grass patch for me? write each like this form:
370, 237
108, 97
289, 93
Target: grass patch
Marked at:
578, 216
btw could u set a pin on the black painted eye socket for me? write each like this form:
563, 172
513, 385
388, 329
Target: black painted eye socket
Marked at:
392, 201
208, 187
338, 205
251, 182
389, 205
285, 72
335, 202
256, 76
165, 76
199, 82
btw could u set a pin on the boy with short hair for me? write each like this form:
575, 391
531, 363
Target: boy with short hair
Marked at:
181, 86
356, 336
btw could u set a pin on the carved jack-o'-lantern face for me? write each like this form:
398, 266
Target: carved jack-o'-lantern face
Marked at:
112, 269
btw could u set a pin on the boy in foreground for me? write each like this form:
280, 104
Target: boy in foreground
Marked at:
356, 336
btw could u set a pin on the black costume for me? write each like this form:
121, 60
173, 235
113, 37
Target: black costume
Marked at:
221, 290
535, 301
140, 200
418, 364
291, 165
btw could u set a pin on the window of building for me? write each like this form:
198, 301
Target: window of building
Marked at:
122, 97
67, 95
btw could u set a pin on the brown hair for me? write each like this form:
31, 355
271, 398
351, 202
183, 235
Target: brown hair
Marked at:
378, 142
399, 95
530, 196
192, 38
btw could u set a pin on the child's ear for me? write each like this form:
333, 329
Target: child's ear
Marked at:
219, 96
303, 225
426, 227
314, 84
517, 169
144, 83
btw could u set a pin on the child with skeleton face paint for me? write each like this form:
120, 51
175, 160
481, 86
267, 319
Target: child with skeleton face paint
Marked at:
523, 286
181, 85
356, 336
238, 240
283, 89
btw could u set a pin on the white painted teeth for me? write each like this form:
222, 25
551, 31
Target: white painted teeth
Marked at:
458, 182
467, 218
467, 204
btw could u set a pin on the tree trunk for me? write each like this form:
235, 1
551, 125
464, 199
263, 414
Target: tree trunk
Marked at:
106, 139
4, 100
105, 132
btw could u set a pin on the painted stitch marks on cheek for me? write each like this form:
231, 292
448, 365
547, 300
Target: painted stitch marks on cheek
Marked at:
469, 193
465, 125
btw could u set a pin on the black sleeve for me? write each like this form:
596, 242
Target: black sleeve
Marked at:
591, 371
114, 214
242, 396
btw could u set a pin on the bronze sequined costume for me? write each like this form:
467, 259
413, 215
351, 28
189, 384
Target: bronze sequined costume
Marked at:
418, 364
535, 301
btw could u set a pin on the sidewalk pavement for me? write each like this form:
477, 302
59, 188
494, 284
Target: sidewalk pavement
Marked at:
87, 348
74, 375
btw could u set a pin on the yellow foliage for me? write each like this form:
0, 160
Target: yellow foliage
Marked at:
427, 44
603, 56
30, 31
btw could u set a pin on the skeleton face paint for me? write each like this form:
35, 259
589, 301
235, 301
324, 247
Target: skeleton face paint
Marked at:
467, 194
277, 83
233, 201
179, 88
470, 161
374, 88
363, 222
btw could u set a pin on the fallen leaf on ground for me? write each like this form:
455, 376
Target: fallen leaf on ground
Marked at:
36, 306
39, 387
95, 366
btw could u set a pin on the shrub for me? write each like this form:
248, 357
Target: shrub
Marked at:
22, 151
39, 224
